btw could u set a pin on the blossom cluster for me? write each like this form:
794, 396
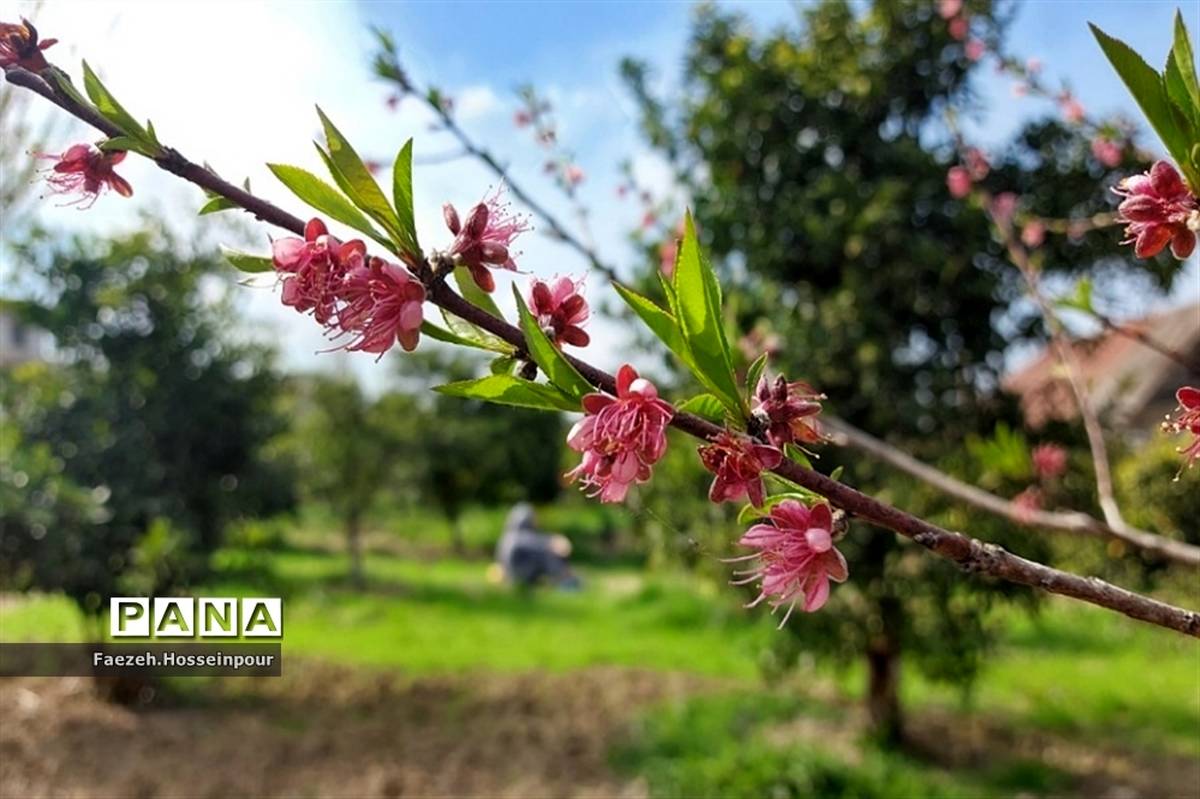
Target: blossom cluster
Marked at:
1158, 209
375, 303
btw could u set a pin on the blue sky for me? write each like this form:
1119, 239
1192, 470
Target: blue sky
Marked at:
242, 111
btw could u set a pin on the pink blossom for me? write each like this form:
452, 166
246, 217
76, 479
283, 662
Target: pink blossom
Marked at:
392, 101
1027, 504
86, 170
948, 9
1020, 89
958, 181
485, 238
795, 557
958, 28
738, 463
620, 437
383, 306
19, 46
667, 251
1158, 209
1072, 109
1049, 461
785, 410
573, 174
649, 219
1003, 206
522, 118
313, 269
976, 163
1033, 66
560, 310
1187, 420
1106, 151
974, 49
1033, 233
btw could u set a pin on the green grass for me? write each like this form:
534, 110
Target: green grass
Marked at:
1073, 670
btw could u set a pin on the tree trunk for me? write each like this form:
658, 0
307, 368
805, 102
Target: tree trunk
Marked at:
457, 541
883, 678
354, 541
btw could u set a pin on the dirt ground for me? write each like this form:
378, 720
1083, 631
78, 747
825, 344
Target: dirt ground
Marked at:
330, 731
327, 732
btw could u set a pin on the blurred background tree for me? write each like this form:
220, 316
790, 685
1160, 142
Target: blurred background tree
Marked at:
815, 158
147, 408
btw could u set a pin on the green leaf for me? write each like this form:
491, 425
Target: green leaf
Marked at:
1081, 300
798, 455
108, 106
661, 323
805, 497
504, 365
706, 406
352, 175
128, 143
1149, 91
441, 334
836, 474
63, 81
215, 204
549, 358
246, 262
754, 373
473, 294
1185, 65
473, 336
402, 194
509, 390
325, 198
698, 296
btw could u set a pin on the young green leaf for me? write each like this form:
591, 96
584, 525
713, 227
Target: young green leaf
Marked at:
661, 323
1181, 100
215, 204
473, 294
325, 198
352, 175
1185, 63
504, 365
509, 390
108, 106
118, 143
698, 296
706, 406
749, 513
473, 336
549, 358
402, 194
754, 373
1149, 91
246, 262
440, 334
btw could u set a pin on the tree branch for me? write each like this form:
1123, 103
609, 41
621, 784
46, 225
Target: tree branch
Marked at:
1065, 521
971, 555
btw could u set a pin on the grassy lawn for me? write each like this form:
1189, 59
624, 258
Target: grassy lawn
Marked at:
1073, 672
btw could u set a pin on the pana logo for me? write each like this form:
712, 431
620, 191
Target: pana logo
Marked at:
187, 617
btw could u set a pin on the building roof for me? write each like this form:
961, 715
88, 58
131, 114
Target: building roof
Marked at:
1125, 376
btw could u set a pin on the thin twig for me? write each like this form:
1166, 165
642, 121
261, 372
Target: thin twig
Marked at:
557, 228
847, 434
1191, 363
971, 555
